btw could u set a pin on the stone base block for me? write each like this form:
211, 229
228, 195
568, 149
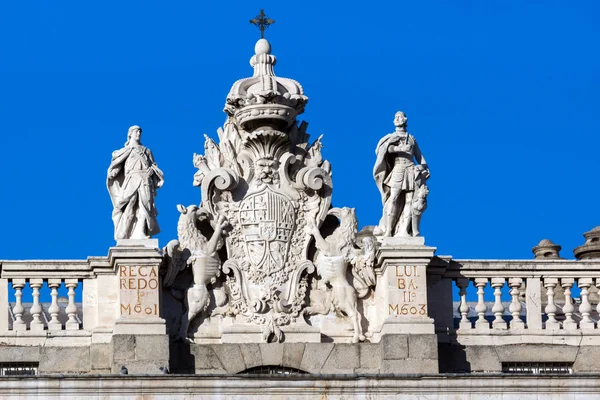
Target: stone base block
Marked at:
403, 241
249, 333
409, 354
404, 325
140, 326
209, 331
141, 354
149, 243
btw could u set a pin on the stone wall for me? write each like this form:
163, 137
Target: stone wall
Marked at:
407, 354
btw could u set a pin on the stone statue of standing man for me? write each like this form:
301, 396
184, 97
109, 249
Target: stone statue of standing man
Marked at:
133, 178
401, 182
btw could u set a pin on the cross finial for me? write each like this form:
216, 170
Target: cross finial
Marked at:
262, 22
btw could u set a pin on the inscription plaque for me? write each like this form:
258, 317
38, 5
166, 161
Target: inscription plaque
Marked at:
139, 286
407, 290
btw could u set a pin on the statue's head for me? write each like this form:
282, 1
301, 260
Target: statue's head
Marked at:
348, 224
135, 133
400, 119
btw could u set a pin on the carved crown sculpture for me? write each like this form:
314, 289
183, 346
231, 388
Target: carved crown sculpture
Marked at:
265, 99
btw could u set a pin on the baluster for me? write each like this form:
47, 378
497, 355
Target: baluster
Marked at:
598, 305
463, 308
36, 308
569, 308
71, 308
585, 308
54, 309
5, 312
498, 308
481, 308
18, 309
515, 305
550, 284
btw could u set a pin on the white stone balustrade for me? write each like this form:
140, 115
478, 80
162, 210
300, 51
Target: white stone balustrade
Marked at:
31, 292
490, 296
40, 316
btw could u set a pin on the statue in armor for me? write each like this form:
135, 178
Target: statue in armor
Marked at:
401, 181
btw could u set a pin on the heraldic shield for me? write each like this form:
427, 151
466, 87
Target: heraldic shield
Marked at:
267, 221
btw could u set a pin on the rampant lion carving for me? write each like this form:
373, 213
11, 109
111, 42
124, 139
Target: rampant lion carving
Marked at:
194, 250
334, 255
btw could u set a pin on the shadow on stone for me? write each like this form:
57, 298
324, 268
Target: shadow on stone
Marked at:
181, 360
453, 358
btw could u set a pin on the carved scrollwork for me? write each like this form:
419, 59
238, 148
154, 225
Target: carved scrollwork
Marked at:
221, 179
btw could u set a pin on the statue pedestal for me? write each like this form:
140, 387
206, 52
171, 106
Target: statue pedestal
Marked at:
401, 294
402, 313
140, 343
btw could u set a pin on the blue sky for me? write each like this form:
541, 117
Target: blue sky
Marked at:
502, 97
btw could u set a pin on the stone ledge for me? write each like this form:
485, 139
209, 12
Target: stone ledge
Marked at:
260, 387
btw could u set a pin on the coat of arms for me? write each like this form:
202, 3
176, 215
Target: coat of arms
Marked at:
267, 221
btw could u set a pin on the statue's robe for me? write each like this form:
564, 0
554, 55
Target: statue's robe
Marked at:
132, 191
384, 164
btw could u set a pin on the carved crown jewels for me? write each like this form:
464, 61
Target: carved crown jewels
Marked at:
265, 98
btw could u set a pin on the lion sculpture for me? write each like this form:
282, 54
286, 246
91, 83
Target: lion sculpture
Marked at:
334, 254
193, 249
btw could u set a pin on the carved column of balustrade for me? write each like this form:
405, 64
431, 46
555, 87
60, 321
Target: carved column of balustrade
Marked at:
498, 308
585, 308
36, 309
463, 308
18, 309
598, 305
481, 308
71, 308
569, 308
550, 284
54, 324
4, 305
515, 305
